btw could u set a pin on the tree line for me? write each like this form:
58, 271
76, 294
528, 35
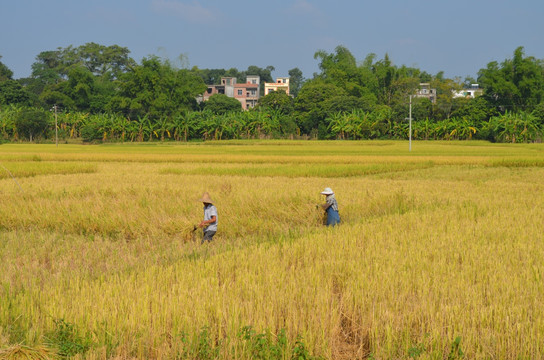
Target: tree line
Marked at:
104, 95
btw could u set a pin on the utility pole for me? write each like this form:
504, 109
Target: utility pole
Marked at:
56, 127
410, 131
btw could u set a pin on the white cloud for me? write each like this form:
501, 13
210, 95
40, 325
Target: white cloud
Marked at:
193, 12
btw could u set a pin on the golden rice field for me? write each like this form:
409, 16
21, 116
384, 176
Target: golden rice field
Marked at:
440, 253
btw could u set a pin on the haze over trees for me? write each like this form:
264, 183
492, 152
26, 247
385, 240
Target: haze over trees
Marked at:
103, 94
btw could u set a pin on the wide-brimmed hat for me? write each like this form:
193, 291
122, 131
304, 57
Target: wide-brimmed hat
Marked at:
327, 191
206, 198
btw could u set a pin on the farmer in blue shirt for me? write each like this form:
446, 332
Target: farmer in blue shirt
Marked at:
331, 207
209, 224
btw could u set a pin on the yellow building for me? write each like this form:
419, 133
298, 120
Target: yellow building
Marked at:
281, 84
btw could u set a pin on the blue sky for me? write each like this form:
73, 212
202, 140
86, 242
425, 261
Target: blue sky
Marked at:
457, 37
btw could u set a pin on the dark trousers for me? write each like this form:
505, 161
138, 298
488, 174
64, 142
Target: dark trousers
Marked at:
207, 236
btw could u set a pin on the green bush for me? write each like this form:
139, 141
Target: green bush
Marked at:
31, 123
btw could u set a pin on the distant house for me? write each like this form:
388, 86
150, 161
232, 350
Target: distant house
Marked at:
425, 91
470, 93
282, 83
247, 94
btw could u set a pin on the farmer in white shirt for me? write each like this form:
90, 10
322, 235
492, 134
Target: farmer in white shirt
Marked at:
209, 224
331, 207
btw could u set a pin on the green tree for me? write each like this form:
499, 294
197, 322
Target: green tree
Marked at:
310, 103
421, 108
477, 110
346, 103
80, 87
444, 104
516, 84
295, 81
277, 100
156, 89
92, 67
5, 72
101, 60
221, 104
11, 92
384, 72
340, 68
31, 123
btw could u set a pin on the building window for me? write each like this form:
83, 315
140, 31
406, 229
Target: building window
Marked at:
209, 90
240, 92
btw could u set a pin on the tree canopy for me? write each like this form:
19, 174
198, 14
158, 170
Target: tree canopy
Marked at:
515, 84
347, 98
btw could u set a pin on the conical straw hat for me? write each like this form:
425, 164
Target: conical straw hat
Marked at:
327, 191
206, 198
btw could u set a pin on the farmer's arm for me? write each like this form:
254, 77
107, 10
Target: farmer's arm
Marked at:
207, 222
325, 206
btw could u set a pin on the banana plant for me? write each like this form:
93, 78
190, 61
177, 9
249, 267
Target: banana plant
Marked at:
163, 125
424, 130
142, 121
151, 128
465, 128
337, 124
